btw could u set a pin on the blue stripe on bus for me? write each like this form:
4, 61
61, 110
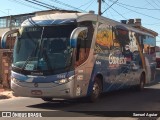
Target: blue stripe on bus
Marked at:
73, 43
3, 43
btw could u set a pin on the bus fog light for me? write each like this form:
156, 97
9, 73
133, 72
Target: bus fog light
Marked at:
67, 91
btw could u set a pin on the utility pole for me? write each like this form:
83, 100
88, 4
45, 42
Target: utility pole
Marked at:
99, 7
10, 27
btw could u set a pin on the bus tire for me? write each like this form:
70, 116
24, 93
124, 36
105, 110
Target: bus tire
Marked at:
47, 99
96, 90
142, 82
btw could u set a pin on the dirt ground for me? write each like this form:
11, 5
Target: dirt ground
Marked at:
5, 93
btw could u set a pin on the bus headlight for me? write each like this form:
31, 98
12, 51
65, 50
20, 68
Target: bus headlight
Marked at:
65, 80
62, 81
15, 80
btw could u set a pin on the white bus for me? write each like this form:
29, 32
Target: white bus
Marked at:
72, 55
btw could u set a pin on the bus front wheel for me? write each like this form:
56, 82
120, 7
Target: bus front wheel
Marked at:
96, 90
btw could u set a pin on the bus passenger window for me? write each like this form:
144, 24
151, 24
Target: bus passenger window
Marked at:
82, 51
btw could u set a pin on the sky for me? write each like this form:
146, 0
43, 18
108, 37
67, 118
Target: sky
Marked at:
147, 10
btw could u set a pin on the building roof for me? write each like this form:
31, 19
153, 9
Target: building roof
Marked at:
148, 30
137, 24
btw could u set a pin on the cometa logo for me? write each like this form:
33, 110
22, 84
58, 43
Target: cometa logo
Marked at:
36, 73
116, 60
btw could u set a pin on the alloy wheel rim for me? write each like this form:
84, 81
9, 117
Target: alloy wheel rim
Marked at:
96, 90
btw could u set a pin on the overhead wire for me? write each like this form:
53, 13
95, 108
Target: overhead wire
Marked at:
3, 12
45, 4
150, 3
85, 4
89, 4
124, 6
158, 1
27, 5
67, 5
153, 7
105, 6
39, 4
155, 3
135, 6
112, 15
114, 9
22, 3
119, 13
110, 6
138, 12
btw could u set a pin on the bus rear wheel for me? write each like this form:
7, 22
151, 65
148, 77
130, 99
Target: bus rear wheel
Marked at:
47, 99
96, 90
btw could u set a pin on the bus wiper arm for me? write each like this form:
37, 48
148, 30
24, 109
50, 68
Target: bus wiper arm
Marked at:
29, 57
47, 60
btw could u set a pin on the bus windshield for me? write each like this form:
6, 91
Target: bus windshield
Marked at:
43, 48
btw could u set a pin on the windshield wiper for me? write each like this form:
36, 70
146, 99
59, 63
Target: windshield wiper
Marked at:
29, 57
45, 53
47, 60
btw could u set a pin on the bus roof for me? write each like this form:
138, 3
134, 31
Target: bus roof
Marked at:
51, 19
71, 18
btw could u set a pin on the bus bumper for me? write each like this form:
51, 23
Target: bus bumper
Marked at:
41, 90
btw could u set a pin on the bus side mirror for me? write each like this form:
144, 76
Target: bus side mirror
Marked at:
5, 35
74, 36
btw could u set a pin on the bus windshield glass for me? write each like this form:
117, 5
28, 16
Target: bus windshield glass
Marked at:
43, 48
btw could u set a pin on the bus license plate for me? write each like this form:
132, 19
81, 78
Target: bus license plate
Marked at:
36, 92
